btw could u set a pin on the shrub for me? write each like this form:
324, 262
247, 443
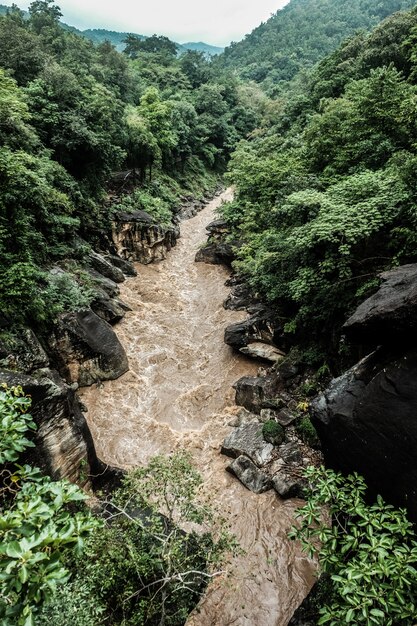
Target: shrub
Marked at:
368, 551
36, 526
143, 567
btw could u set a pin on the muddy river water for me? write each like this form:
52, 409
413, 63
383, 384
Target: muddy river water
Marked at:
178, 395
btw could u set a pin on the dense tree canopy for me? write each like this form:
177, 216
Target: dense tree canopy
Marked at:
72, 112
325, 192
301, 34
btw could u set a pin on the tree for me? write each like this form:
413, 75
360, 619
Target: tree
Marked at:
143, 566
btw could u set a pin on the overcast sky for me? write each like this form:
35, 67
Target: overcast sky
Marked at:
217, 22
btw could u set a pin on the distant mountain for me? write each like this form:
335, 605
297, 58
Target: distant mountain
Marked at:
98, 35
202, 47
302, 33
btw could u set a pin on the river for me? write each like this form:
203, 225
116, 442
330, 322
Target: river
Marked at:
178, 395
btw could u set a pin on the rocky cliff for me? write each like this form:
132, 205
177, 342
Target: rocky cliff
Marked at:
367, 418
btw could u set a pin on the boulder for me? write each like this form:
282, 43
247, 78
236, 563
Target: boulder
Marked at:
285, 416
291, 453
21, 351
127, 268
105, 268
137, 238
390, 314
104, 284
288, 485
86, 349
217, 229
249, 475
64, 446
247, 440
216, 253
112, 310
259, 350
257, 392
240, 298
367, 422
260, 328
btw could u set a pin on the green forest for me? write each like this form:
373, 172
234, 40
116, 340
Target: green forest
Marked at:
313, 120
326, 189
71, 114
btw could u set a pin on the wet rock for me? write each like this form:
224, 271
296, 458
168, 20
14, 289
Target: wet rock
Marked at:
258, 350
104, 284
260, 328
249, 475
244, 417
105, 268
291, 453
217, 229
137, 238
64, 446
240, 298
285, 416
21, 351
111, 310
256, 392
287, 485
391, 313
86, 349
367, 422
216, 253
127, 268
248, 440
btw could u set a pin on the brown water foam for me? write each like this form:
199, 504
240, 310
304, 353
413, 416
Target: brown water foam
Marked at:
178, 395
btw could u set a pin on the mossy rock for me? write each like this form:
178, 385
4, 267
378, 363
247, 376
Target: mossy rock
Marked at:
273, 432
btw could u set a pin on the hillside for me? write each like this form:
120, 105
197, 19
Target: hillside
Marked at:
301, 34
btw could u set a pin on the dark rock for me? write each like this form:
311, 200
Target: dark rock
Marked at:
239, 299
367, 422
21, 351
391, 313
64, 446
288, 370
285, 416
260, 327
248, 440
105, 268
216, 253
288, 485
256, 393
86, 349
217, 229
291, 453
127, 268
104, 284
133, 217
307, 613
111, 310
249, 475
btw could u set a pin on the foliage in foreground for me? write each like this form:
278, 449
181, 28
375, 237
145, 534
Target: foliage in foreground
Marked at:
37, 526
369, 552
155, 556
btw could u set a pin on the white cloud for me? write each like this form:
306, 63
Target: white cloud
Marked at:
214, 21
